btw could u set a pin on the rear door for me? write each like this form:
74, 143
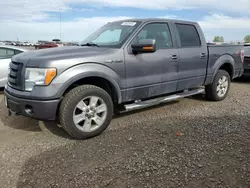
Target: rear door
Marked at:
192, 54
151, 74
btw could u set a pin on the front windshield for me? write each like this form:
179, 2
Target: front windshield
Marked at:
112, 34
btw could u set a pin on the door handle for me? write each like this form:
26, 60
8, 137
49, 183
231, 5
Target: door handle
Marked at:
203, 55
174, 57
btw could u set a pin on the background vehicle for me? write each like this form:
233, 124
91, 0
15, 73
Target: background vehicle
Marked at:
247, 60
59, 44
18, 43
6, 52
47, 45
36, 45
123, 66
26, 44
7, 43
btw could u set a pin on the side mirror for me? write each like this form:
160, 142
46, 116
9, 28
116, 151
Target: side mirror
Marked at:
145, 46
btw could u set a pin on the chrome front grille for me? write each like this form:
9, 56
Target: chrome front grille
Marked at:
15, 75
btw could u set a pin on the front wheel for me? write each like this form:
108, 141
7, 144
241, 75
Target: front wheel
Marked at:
218, 90
86, 111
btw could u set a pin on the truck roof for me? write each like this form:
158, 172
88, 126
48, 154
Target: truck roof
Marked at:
154, 20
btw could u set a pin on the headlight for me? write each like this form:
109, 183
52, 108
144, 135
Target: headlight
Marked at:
36, 76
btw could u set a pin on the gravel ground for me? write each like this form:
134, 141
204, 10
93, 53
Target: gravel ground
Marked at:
139, 149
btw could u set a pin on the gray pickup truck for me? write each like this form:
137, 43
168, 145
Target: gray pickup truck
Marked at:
124, 65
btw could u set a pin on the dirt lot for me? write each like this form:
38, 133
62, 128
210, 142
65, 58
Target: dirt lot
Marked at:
138, 150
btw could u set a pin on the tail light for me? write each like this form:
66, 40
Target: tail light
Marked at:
242, 55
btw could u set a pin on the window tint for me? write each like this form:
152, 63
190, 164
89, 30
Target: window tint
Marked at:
158, 31
189, 36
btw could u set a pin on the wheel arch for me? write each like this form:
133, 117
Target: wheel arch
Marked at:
98, 81
227, 67
225, 62
94, 74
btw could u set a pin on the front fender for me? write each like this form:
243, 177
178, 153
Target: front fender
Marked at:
73, 74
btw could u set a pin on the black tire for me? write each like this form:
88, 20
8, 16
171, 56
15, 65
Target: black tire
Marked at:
69, 103
211, 90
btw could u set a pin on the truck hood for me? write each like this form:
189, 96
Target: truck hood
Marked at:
37, 58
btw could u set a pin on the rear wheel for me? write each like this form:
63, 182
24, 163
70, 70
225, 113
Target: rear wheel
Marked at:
86, 111
218, 90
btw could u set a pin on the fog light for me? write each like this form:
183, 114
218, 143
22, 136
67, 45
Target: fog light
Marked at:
29, 109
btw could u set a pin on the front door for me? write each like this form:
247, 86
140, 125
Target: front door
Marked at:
151, 74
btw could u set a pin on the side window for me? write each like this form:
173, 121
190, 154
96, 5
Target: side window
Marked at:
158, 31
17, 52
6, 53
3, 53
10, 52
189, 36
142, 35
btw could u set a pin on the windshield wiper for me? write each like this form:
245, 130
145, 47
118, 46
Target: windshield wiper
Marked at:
90, 44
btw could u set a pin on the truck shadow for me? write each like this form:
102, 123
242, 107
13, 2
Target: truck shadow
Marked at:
242, 80
113, 159
200, 97
28, 124
1, 91
17, 122
54, 128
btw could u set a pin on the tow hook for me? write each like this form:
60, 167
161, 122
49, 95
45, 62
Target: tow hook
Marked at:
9, 112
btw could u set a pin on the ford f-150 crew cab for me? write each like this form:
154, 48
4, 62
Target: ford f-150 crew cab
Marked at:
124, 65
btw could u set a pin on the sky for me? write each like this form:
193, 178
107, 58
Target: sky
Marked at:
32, 20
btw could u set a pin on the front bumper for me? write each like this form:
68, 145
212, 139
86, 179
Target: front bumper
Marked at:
42, 110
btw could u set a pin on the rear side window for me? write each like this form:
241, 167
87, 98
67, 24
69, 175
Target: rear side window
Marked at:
189, 36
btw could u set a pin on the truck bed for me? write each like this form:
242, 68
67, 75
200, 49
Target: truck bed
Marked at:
217, 51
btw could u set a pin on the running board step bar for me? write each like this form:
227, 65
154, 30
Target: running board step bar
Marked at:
165, 99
